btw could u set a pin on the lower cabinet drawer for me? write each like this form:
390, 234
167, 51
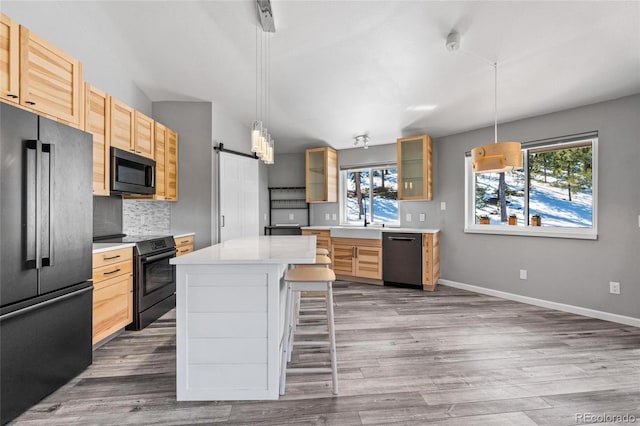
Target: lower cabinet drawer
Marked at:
184, 241
111, 271
112, 306
184, 250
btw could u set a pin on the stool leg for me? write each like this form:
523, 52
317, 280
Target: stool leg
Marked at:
286, 338
295, 308
332, 338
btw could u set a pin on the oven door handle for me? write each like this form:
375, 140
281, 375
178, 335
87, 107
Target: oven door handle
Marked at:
160, 256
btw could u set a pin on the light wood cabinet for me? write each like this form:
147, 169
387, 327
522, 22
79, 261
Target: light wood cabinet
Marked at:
323, 238
96, 122
122, 124
9, 59
50, 80
143, 135
357, 258
321, 175
415, 168
430, 261
160, 137
171, 166
112, 292
184, 245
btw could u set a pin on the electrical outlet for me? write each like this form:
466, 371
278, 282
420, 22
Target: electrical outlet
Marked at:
443, 205
408, 217
327, 216
334, 216
290, 216
523, 274
265, 217
614, 287
422, 217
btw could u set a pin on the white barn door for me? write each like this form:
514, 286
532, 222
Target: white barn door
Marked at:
238, 180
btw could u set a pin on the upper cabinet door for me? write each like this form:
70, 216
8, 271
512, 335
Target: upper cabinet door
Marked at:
122, 125
144, 135
160, 136
50, 80
415, 168
97, 123
171, 166
9, 59
322, 175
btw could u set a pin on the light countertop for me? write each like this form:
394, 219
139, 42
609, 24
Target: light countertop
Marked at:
183, 234
276, 249
354, 229
102, 247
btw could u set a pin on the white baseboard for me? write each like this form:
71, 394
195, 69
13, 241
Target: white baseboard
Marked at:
621, 319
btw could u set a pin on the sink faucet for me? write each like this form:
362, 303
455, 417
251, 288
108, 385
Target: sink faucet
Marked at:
365, 211
365, 222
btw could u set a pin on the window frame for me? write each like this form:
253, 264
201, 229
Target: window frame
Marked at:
470, 225
343, 193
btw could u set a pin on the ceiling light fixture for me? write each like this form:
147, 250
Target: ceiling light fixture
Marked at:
496, 157
364, 138
261, 141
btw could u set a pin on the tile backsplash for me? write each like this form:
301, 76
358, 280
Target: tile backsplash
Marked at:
142, 217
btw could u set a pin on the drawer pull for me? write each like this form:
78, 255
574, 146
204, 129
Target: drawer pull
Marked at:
11, 95
111, 258
184, 241
112, 272
185, 250
30, 103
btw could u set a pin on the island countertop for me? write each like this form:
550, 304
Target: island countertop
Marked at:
270, 249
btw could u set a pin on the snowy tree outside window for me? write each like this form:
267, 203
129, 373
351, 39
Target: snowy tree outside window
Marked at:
553, 193
371, 193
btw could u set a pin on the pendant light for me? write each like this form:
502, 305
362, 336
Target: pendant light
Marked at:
262, 144
496, 157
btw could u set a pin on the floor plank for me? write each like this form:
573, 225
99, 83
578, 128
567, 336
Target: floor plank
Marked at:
407, 357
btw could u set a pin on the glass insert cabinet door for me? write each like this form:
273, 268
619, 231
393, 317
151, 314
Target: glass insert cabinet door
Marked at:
321, 174
415, 168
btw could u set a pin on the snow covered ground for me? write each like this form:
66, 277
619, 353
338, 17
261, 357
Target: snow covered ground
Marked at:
548, 201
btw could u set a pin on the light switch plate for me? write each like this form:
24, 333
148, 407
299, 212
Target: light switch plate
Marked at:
523, 274
614, 287
422, 217
408, 217
443, 205
334, 217
290, 216
265, 217
326, 216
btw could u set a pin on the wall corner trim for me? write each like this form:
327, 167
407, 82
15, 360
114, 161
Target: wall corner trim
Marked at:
592, 313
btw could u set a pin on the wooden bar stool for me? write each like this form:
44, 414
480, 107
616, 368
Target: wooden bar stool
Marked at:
321, 260
316, 280
323, 251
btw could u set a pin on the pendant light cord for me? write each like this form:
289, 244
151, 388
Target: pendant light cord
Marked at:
495, 102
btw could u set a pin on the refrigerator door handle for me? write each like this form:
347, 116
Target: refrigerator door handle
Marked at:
48, 207
41, 305
32, 208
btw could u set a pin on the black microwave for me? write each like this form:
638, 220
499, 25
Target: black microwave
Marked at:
132, 173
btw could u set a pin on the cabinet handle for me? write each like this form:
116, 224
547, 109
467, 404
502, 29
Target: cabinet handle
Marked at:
184, 241
111, 258
184, 251
11, 95
30, 102
112, 272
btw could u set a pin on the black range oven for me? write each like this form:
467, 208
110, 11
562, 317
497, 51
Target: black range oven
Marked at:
154, 279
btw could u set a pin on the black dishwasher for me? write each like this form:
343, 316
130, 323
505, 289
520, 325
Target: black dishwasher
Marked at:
402, 258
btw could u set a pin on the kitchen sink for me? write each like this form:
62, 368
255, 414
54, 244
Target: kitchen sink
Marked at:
362, 232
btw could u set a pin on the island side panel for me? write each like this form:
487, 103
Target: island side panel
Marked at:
228, 331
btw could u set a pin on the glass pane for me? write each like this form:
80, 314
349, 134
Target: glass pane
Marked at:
412, 172
358, 193
560, 187
316, 175
491, 190
385, 195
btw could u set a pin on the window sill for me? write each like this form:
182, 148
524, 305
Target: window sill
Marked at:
533, 231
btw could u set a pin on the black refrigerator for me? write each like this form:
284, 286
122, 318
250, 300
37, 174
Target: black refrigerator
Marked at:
46, 293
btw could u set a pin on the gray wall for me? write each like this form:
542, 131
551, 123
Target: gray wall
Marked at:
575, 272
192, 211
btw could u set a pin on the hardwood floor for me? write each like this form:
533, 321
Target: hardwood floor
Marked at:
450, 357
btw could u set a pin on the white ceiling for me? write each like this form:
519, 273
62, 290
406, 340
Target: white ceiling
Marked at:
341, 68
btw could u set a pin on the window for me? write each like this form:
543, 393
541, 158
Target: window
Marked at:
554, 195
370, 193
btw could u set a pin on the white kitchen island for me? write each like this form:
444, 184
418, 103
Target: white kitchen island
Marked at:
230, 316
